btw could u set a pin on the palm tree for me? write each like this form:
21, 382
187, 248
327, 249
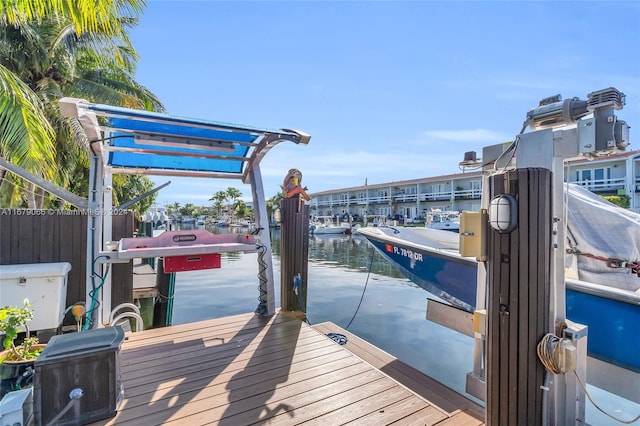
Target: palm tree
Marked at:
274, 202
219, 198
86, 15
239, 209
234, 194
51, 49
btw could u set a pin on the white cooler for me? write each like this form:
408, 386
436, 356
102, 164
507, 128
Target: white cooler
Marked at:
44, 284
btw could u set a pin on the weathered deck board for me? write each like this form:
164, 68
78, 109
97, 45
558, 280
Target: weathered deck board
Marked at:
246, 369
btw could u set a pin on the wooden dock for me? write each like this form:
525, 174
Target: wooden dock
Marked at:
247, 369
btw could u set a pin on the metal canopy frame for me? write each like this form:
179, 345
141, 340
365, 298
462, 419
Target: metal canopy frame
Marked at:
142, 142
130, 141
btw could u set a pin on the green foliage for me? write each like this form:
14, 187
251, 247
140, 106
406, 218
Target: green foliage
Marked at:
51, 49
241, 210
188, 210
619, 200
11, 320
128, 187
274, 202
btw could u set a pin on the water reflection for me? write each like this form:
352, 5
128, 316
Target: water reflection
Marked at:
350, 251
392, 314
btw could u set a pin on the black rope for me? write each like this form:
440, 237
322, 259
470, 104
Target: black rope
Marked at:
373, 252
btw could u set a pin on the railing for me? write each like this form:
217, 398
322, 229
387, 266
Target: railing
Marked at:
436, 196
405, 198
602, 184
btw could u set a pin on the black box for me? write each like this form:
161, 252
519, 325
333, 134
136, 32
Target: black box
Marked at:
88, 360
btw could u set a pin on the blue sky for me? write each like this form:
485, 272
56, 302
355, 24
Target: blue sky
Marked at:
387, 90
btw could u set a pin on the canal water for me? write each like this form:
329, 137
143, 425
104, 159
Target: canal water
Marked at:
351, 285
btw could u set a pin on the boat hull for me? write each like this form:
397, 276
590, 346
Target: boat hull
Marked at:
613, 318
451, 279
612, 315
328, 230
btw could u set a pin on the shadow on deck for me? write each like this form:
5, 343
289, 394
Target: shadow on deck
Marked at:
247, 369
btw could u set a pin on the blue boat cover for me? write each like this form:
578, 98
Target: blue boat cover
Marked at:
141, 139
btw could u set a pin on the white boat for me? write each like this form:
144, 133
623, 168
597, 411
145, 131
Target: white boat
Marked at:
188, 220
327, 225
448, 220
602, 275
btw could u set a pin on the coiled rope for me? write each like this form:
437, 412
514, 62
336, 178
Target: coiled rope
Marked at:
548, 351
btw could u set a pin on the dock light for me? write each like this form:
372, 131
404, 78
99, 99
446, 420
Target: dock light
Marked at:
277, 215
503, 213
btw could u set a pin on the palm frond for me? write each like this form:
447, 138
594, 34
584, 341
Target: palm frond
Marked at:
26, 136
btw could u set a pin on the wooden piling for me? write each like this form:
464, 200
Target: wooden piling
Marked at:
294, 253
518, 300
162, 311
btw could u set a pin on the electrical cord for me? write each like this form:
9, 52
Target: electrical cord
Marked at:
262, 286
93, 294
548, 351
511, 149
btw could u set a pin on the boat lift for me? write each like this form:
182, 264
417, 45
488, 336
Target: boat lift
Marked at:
130, 141
560, 130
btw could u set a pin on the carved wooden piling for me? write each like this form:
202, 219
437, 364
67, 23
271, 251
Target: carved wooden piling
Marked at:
294, 253
518, 300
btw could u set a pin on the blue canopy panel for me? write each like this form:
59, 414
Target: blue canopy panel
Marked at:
145, 142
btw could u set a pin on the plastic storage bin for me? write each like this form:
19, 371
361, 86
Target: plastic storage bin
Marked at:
89, 361
44, 284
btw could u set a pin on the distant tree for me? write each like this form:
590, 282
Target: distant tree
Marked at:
172, 208
219, 199
274, 202
187, 210
240, 209
234, 194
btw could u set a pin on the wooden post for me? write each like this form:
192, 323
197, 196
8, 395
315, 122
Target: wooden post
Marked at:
518, 300
162, 309
122, 273
294, 253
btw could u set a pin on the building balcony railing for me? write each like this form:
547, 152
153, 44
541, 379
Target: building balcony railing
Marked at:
602, 185
405, 198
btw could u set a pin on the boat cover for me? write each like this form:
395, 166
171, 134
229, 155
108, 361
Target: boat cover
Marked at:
605, 240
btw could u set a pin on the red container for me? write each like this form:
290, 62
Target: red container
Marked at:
192, 262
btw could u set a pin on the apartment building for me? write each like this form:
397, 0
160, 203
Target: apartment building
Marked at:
616, 174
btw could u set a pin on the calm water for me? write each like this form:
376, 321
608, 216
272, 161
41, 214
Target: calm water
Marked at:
391, 316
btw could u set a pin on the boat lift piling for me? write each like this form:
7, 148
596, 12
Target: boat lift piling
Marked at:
518, 300
525, 263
